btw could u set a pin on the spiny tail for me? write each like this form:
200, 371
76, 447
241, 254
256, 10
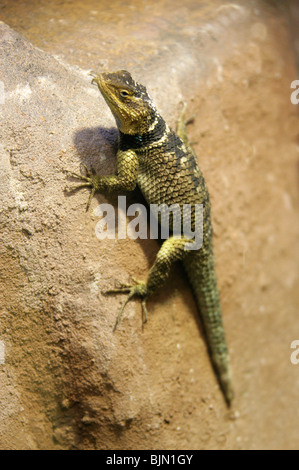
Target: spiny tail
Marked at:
202, 276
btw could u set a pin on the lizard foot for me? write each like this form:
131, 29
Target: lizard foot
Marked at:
90, 180
138, 289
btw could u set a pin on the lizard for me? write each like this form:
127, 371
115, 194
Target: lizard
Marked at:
163, 164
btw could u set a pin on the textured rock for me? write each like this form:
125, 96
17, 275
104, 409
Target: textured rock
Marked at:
68, 381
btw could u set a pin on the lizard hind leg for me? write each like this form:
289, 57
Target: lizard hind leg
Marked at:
173, 249
181, 126
182, 123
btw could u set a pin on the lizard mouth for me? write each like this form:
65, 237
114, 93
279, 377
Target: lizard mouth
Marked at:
104, 83
102, 80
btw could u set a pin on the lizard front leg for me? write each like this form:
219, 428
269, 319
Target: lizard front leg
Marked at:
173, 249
125, 180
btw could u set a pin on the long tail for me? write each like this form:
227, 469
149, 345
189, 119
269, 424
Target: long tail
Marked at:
202, 276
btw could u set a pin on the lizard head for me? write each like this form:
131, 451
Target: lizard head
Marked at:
129, 102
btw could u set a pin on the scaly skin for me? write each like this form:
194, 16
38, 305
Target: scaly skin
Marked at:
165, 168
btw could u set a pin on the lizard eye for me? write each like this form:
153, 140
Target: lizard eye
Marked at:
124, 93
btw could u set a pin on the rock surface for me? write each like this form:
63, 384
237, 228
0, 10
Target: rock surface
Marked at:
66, 380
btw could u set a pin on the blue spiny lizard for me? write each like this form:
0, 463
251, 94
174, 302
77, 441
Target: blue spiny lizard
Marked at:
164, 166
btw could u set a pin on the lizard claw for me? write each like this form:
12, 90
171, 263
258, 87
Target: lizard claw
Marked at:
90, 180
137, 290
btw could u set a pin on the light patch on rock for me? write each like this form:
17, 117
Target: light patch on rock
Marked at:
2, 353
46, 82
22, 92
94, 285
19, 197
